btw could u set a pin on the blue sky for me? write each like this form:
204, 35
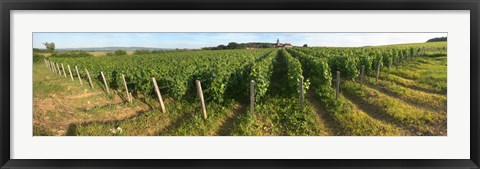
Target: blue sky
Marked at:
198, 40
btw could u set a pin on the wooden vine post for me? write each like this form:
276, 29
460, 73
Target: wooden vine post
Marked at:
70, 71
398, 60
252, 96
49, 65
301, 97
58, 69
379, 66
78, 74
130, 94
159, 95
89, 79
126, 88
202, 101
63, 69
105, 82
389, 64
361, 76
53, 67
338, 85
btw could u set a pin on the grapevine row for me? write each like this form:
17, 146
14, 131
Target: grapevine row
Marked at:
175, 72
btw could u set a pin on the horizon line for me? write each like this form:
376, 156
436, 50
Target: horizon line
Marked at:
227, 44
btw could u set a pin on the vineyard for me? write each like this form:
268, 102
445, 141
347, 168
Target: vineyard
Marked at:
394, 90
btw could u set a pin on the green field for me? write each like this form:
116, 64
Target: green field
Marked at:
408, 99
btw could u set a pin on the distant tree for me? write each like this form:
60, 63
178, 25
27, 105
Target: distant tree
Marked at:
50, 46
265, 45
221, 47
438, 39
305, 45
142, 52
120, 52
233, 45
109, 54
36, 50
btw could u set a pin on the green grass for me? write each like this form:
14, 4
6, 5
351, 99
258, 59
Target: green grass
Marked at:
141, 124
435, 77
353, 122
280, 117
195, 125
43, 88
46, 83
42, 131
427, 74
425, 122
436, 102
182, 119
405, 73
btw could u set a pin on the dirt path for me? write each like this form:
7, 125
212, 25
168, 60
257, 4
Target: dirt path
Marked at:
278, 86
229, 123
330, 124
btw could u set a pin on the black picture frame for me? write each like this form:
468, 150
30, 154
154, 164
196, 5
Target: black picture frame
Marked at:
7, 5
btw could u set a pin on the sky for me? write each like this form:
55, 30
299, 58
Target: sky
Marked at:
199, 40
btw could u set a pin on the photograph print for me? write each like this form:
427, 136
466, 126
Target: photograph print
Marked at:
239, 84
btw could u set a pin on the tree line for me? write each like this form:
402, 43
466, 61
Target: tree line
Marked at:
234, 45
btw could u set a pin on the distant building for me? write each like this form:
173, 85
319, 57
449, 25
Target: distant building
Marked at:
282, 45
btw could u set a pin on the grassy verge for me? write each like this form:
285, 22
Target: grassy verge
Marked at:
59, 101
430, 101
425, 122
435, 77
182, 119
413, 85
64, 107
427, 74
354, 122
405, 72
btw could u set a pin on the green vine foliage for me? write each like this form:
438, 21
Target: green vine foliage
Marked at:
315, 68
294, 73
346, 65
261, 72
349, 60
175, 72
226, 74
